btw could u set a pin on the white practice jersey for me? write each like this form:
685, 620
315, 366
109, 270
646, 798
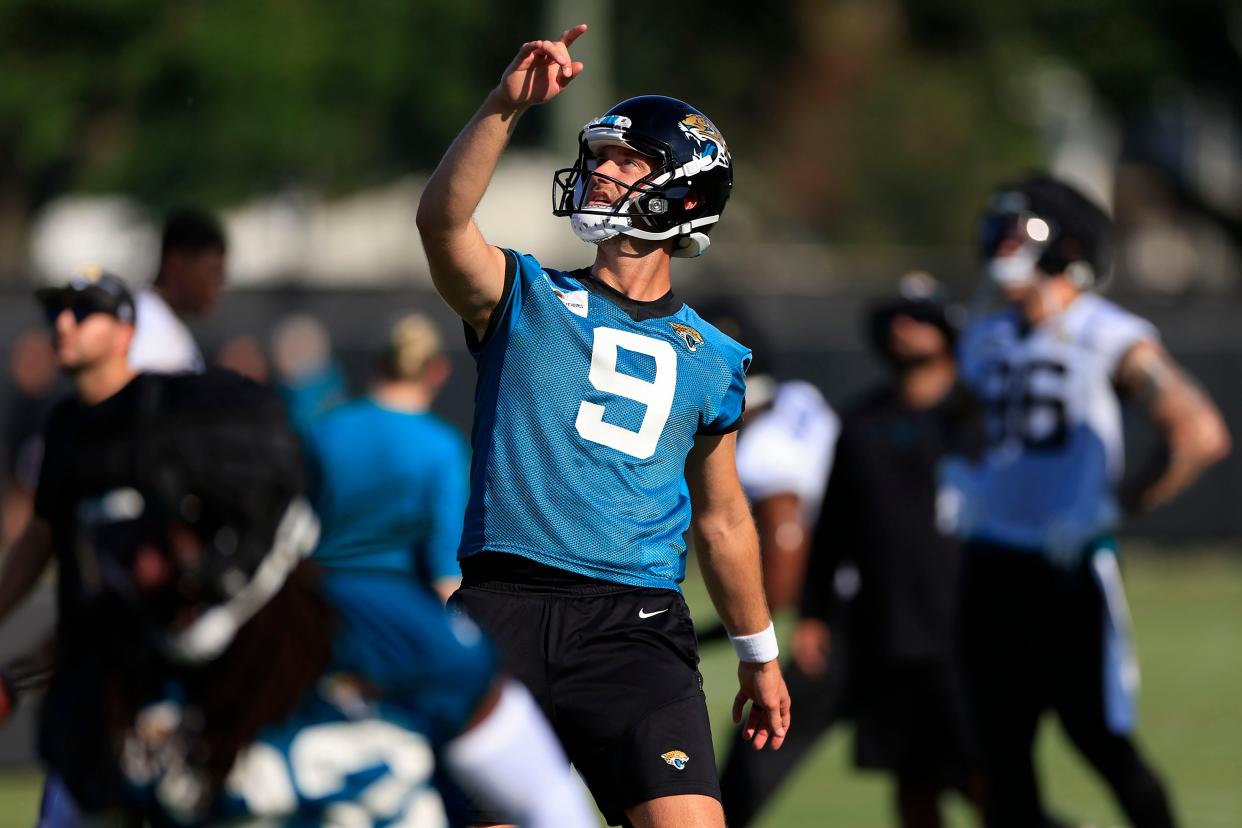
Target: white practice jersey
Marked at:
162, 343
1055, 451
789, 447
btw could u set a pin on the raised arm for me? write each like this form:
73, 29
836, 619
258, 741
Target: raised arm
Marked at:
1192, 426
467, 271
728, 552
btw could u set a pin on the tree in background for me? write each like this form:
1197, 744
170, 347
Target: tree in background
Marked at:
215, 101
858, 122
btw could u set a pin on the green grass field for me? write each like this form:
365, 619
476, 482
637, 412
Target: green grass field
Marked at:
1187, 610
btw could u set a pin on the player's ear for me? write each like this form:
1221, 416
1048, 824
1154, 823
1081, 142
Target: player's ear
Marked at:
690, 201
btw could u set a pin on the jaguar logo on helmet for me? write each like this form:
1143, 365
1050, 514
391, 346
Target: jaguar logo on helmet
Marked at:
709, 140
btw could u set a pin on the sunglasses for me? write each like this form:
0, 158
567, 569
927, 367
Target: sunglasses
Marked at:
80, 311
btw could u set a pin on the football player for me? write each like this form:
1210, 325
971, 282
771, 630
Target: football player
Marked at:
390, 476
1045, 618
605, 412
92, 319
227, 681
784, 454
883, 571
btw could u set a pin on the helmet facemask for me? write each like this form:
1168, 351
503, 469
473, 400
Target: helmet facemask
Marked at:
1010, 223
207, 598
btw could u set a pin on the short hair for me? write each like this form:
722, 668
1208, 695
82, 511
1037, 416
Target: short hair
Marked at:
192, 230
413, 341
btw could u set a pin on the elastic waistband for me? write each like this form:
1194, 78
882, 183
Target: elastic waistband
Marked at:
567, 590
988, 546
505, 572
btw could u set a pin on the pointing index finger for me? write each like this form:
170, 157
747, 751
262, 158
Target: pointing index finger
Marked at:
570, 35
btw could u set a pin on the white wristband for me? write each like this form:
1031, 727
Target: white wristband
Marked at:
756, 647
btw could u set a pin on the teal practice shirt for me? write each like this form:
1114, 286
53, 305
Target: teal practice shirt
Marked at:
391, 490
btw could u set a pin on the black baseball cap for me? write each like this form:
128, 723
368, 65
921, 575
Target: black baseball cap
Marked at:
920, 297
91, 290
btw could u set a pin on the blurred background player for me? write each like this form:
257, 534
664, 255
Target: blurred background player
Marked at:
883, 517
306, 373
239, 685
92, 321
187, 286
1045, 617
604, 429
391, 478
784, 454
33, 375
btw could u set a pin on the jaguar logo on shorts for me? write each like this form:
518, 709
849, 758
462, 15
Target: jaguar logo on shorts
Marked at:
676, 758
688, 335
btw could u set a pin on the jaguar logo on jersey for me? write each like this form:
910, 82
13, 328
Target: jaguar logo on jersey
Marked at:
676, 758
688, 335
712, 149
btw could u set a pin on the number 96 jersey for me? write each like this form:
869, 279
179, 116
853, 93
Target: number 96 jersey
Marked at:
1054, 424
586, 407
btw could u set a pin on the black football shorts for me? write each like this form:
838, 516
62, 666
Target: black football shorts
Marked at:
615, 669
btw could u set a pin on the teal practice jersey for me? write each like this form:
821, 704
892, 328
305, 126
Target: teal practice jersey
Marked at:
586, 407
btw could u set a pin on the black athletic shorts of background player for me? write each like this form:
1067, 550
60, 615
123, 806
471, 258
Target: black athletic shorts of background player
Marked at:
614, 668
1034, 641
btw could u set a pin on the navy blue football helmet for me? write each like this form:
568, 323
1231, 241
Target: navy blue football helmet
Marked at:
1057, 228
690, 159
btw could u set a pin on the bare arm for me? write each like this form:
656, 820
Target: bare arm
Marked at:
784, 540
467, 271
728, 552
25, 563
26, 674
1192, 426
724, 536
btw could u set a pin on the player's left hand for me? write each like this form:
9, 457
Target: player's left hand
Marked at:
764, 686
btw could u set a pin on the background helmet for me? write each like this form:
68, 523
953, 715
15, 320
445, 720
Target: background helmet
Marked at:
213, 459
690, 156
1060, 229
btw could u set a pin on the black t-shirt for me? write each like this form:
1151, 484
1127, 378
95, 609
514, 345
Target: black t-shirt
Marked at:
81, 443
880, 513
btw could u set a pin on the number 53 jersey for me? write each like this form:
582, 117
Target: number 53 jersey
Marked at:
586, 407
1054, 424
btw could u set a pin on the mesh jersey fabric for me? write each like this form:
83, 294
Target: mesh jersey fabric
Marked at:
390, 490
1054, 425
584, 416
